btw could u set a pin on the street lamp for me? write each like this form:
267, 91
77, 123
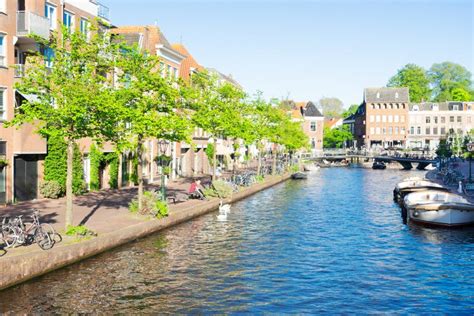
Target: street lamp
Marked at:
163, 146
470, 148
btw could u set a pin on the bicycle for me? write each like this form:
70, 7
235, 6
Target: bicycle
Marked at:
15, 232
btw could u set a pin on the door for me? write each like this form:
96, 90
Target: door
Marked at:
26, 177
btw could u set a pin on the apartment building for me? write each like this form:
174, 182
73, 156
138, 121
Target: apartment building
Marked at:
150, 39
312, 122
430, 122
382, 118
23, 148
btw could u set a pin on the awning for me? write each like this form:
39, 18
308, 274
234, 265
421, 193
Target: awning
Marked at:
32, 98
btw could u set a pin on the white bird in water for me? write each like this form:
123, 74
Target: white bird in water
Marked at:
224, 208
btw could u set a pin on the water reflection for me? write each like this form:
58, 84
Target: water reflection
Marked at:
333, 243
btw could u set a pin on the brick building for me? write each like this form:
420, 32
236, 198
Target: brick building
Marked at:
382, 119
23, 148
312, 122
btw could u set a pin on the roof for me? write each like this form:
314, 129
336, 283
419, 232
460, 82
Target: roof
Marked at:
296, 114
227, 78
151, 34
436, 106
188, 62
330, 122
312, 110
384, 95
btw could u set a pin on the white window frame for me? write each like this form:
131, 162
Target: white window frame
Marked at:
86, 31
3, 50
3, 112
311, 124
3, 6
53, 20
71, 20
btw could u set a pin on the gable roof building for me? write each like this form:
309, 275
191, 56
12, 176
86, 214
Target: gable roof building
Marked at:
189, 65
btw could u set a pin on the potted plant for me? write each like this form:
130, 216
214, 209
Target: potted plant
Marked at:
3, 163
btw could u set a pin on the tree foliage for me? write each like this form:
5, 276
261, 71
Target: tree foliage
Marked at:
351, 110
332, 107
337, 137
415, 78
447, 76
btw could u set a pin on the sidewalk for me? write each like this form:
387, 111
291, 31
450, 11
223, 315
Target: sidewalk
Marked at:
102, 211
463, 168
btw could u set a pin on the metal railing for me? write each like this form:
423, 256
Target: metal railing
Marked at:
31, 23
103, 11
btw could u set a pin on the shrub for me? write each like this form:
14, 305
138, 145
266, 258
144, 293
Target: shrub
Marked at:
51, 189
259, 178
152, 205
167, 171
295, 168
113, 161
219, 189
96, 157
79, 231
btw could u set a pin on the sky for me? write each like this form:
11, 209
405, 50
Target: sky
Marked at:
305, 50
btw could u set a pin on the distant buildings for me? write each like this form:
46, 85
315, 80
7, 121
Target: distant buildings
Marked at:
386, 118
312, 122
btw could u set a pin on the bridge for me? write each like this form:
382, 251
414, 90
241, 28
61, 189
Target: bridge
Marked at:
356, 156
407, 162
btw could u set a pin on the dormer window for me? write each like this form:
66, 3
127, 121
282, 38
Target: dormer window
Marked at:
416, 107
434, 107
378, 95
396, 95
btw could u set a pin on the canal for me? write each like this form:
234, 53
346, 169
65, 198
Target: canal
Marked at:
334, 243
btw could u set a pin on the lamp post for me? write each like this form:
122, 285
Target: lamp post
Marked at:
163, 146
470, 148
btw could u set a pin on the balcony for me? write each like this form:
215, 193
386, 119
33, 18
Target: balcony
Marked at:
103, 12
29, 23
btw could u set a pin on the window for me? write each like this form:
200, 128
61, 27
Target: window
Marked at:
396, 118
418, 130
427, 131
459, 119
313, 126
402, 118
469, 119
412, 130
313, 143
428, 120
85, 27
435, 131
3, 6
384, 118
390, 130
416, 107
402, 131
377, 130
451, 119
3, 59
443, 131
384, 131
372, 118
435, 119
377, 118
3, 103
396, 95
48, 54
378, 95
372, 131
443, 119
390, 119
50, 14
396, 130
68, 20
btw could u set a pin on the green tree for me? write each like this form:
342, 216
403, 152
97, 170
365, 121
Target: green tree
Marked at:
96, 157
64, 105
415, 78
351, 110
150, 106
460, 94
218, 109
337, 137
332, 107
447, 76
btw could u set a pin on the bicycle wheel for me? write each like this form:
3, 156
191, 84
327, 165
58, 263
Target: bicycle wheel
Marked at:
10, 236
43, 237
48, 228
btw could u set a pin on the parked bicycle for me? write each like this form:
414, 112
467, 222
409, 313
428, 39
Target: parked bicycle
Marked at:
15, 232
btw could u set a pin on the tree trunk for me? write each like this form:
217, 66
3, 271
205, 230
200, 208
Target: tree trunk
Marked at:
69, 175
274, 163
140, 175
259, 163
214, 161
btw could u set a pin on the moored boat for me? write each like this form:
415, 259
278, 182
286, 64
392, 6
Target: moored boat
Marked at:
406, 187
299, 176
379, 165
310, 167
438, 208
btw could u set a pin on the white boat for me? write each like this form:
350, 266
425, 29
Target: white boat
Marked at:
439, 208
310, 167
406, 187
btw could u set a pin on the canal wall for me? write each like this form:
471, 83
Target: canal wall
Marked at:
20, 268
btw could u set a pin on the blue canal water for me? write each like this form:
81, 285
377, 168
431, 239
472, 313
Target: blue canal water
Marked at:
334, 243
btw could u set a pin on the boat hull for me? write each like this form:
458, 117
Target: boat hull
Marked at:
443, 217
